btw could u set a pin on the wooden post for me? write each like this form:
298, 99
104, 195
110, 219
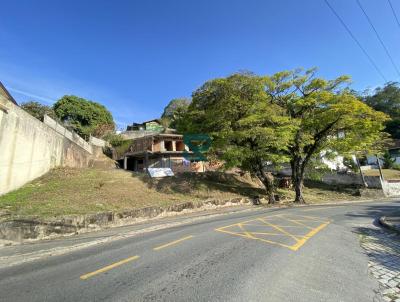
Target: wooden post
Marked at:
146, 160
361, 172
125, 163
379, 167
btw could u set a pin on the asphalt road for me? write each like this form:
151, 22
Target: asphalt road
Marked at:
293, 254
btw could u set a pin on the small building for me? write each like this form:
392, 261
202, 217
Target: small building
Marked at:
393, 147
146, 128
161, 150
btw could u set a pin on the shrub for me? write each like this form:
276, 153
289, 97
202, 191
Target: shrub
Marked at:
114, 139
396, 166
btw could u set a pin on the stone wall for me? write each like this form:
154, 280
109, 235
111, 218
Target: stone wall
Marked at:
30, 148
94, 141
351, 179
391, 189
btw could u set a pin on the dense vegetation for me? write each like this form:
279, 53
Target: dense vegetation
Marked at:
80, 115
387, 99
258, 121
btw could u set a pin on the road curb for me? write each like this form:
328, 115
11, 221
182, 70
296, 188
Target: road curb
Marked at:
391, 223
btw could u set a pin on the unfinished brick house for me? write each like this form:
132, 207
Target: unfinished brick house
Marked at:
159, 151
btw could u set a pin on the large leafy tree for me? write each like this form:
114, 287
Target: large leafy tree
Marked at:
174, 111
246, 129
83, 116
38, 110
329, 117
387, 99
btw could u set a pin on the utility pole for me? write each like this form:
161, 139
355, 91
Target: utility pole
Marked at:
379, 167
361, 172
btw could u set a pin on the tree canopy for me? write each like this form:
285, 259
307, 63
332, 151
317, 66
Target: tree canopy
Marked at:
38, 110
387, 99
175, 109
328, 115
246, 130
290, 116
83, 116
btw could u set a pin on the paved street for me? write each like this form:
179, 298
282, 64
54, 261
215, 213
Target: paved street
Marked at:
295, 254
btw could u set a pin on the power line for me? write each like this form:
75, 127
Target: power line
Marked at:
355, 40
394, 13
379, 38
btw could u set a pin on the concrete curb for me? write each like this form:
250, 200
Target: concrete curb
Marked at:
23, 229
391, 223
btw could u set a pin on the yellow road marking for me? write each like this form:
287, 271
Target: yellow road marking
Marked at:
313, 218
308, 236
279, 229
171, 243
320, 208
108, 267
299, 239
297, 222
266, 233
245, 232
254, 238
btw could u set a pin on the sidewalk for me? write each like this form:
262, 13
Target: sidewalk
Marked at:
382, 246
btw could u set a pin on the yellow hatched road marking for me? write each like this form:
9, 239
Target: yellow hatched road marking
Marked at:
255, 238
314, 218
320, 208
245, 232
308, 236
172, 243
279, 229
297, 222
109, 267
299, 239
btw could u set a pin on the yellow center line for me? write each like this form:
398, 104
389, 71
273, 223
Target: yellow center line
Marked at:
108, 267
171, 243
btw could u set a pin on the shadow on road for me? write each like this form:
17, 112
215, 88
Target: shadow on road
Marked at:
380, 244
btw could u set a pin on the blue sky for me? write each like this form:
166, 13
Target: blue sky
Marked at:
134, 56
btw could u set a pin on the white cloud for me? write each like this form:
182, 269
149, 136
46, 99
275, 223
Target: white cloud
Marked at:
31, 95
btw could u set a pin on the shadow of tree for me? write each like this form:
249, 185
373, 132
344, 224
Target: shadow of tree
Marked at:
381, 245
191, 183
315, 184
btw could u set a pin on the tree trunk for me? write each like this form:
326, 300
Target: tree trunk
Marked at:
269, 187
298, 166
298, 188
268, 181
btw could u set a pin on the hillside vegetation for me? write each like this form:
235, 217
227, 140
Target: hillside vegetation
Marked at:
66, 191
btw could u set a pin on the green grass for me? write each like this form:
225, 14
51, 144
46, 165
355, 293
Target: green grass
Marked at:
387, 173
81, 191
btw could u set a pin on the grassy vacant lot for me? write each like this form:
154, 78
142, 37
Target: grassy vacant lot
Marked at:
80, 191
387, 173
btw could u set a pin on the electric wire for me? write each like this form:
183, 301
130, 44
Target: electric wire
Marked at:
379, 38
356, 40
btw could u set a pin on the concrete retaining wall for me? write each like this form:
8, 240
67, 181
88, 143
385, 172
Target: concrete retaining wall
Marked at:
30, 148
94, 141
19, 230
351, 179
391, 189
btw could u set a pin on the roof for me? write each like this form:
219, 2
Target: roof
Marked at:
154, 120
6, 94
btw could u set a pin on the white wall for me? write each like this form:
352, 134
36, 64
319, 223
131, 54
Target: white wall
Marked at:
30, 148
